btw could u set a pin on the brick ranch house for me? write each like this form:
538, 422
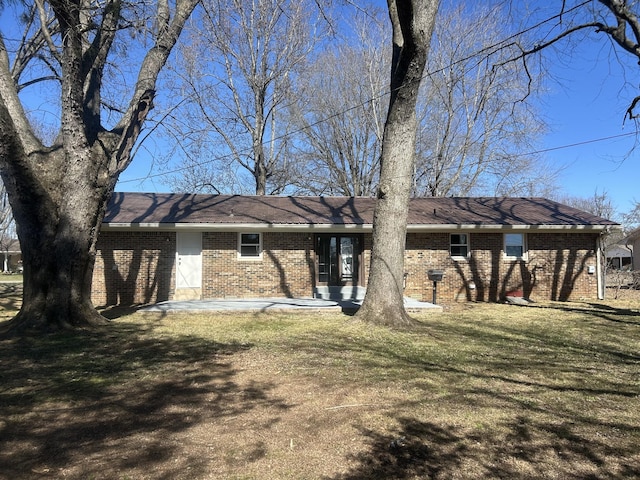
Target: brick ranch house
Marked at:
155, 247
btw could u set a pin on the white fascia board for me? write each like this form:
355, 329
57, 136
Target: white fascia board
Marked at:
284, 227
237, 227
502, 228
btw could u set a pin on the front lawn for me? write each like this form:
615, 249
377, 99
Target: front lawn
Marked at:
11, 277
479, 392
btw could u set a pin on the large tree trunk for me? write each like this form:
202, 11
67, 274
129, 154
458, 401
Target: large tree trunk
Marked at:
413, 22
58, 204
59, 194
58, 266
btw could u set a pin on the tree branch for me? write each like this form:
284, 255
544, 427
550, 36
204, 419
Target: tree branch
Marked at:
11, 102
541, 46
131, 122
156, 57
624, 17
129, 136
45, 24
629, 113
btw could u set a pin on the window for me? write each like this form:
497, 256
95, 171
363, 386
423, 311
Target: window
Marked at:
250, 245
459, 245
514, 246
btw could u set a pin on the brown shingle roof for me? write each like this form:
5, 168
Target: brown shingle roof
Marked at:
171, 208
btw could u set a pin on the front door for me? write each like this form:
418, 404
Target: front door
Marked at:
338, 259
188, 265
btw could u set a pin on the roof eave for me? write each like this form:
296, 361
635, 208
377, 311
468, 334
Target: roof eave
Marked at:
364, 227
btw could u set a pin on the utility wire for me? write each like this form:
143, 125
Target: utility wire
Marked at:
577, 144
490, 49
525, 154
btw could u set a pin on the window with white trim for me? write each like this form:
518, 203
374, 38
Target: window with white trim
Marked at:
515, 246
250, 245
459, 245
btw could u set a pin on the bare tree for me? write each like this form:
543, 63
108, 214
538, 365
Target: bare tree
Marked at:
631, 219
475, 119
342, 118
59, 192
240, 67
412, 22
557, 23
599, 204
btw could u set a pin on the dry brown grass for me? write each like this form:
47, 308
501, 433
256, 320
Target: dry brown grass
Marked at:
482, 392
10, 300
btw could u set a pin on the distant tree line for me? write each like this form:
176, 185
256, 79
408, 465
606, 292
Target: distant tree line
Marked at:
296, 103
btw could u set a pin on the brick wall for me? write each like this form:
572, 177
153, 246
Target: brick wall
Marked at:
286, 268
556, 267
139, 267
134, 268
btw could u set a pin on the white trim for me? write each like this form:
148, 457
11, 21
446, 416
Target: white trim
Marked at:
525, 248
237, 227
328, 228
599, 273
239, 247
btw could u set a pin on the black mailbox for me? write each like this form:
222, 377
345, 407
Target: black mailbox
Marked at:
435, 275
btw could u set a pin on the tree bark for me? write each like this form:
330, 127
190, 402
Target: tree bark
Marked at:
413, 22
59, 194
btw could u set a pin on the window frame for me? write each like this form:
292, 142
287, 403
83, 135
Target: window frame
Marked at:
242, 256
467, 245
523, 245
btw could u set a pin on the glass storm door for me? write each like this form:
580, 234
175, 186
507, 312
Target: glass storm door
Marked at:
338, 259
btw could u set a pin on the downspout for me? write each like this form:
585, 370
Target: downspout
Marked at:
600, 273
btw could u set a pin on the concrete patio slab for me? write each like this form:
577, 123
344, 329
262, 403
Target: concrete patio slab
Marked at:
273, 304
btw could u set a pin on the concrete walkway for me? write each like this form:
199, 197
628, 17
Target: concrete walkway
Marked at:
273, 304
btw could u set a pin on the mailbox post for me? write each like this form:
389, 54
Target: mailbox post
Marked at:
436, 276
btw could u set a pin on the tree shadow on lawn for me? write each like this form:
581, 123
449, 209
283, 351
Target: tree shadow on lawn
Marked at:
522, 449
10, 297
600, 310
95, 404
541, 423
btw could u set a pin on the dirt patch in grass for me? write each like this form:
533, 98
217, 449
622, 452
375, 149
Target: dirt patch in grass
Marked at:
488, 391
10, 300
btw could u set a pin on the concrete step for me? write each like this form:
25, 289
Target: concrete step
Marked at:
339, 293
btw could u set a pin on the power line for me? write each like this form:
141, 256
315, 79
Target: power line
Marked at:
577, 144
525, 154
490, 50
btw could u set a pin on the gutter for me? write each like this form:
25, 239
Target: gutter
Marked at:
305, 227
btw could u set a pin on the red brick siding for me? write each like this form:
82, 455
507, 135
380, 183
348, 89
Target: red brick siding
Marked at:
286, 268
139, 267
555, 269
366, 258
133, 268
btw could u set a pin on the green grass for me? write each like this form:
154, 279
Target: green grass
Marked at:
13, 277
489, 391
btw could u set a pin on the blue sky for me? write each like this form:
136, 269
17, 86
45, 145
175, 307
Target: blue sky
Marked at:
587, 107
586, 104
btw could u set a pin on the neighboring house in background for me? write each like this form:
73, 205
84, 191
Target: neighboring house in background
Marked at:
619, 257
155, 247
11, 256
633, 241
